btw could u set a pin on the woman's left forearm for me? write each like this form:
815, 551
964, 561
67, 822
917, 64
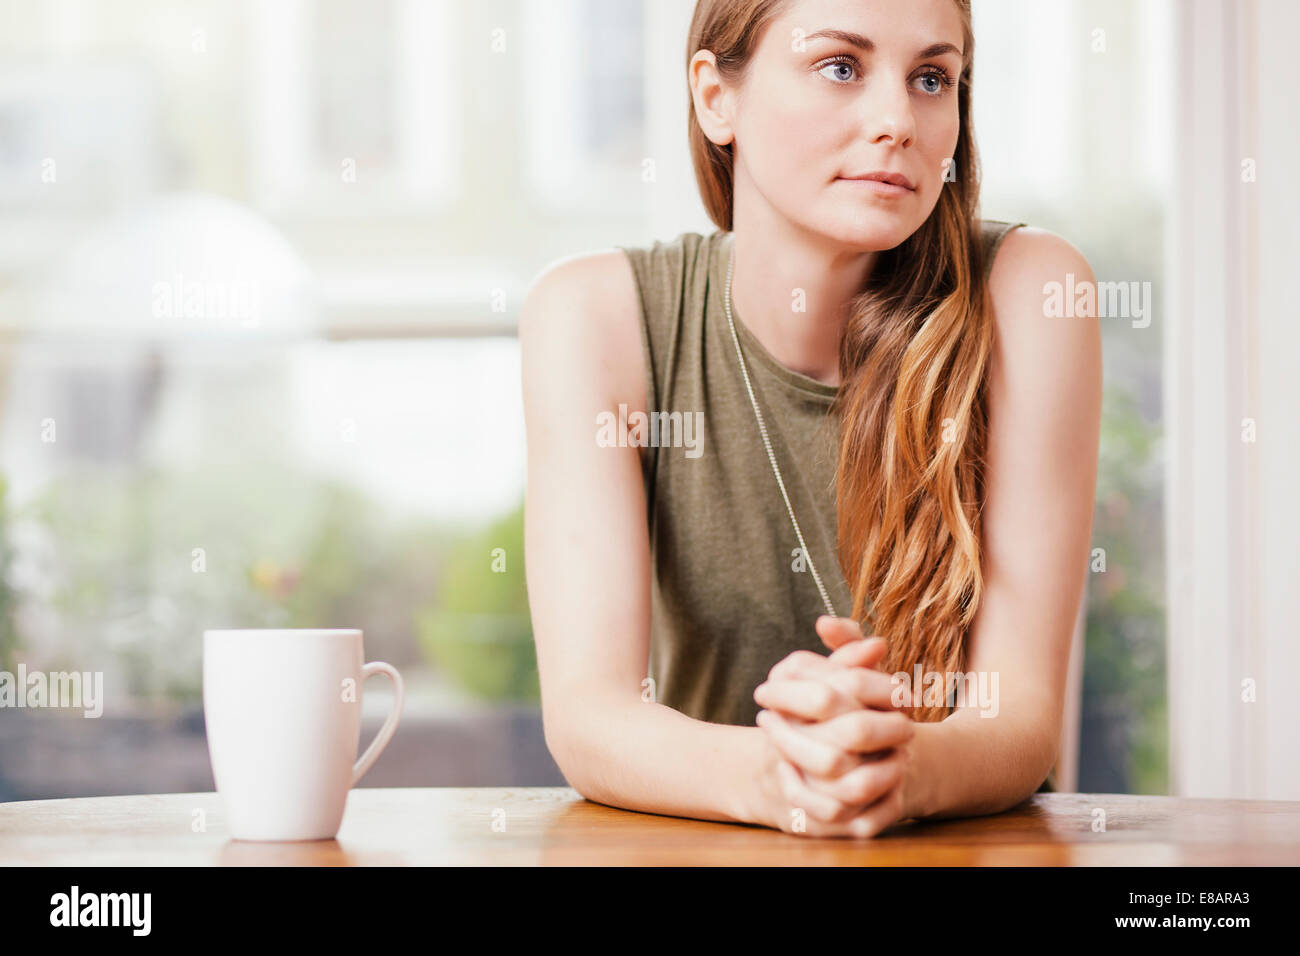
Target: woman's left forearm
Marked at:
969, 765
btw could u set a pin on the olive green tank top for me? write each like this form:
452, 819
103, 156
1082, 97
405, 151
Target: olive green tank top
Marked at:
730, 592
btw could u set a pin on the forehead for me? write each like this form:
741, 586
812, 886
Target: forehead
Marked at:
904, 26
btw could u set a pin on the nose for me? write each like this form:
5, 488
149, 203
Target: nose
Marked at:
889, 116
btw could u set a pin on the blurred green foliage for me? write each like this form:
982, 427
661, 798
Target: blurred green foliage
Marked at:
140, 562
480, 630
1124, 669
1124, 747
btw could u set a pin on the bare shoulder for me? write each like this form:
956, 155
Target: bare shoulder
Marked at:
1029, 259
1047, 330
581, 318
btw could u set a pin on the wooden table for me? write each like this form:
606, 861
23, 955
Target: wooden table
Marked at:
556, 826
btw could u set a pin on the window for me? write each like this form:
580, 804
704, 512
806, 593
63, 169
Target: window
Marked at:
355, 107
1086, 152
582, 81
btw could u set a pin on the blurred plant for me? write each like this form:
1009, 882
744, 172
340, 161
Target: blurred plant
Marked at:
271, 579
479, 631
1124, 671
139, 563
1124, 742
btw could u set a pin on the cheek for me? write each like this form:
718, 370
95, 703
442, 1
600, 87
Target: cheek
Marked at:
788, 135
937, 137
939, 134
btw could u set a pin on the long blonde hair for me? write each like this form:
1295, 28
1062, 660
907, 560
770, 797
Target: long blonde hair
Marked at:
912, 403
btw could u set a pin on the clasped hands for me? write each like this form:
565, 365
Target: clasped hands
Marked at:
837, 736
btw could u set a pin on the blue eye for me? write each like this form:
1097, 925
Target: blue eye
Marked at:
937, 81
840, 65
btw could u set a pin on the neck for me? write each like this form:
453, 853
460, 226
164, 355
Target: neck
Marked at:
780, 269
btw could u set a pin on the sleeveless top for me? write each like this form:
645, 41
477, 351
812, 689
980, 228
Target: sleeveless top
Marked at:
730, 592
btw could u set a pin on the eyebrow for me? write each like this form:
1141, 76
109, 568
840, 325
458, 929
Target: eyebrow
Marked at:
862, 43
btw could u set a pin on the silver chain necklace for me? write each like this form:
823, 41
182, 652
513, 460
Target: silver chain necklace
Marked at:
767, 443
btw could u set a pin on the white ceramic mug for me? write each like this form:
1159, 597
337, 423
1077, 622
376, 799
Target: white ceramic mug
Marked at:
283, 715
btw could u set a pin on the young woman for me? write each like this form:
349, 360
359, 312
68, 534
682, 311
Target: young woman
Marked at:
865, 420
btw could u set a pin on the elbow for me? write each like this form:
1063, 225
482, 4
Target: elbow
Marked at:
1044, 752
1048, 765
560, 742
587, 728
1031, 745
569, 744
1034, 736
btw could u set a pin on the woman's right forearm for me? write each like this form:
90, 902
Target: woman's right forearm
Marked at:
646, 756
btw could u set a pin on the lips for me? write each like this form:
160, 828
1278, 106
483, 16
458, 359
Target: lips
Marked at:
883, 176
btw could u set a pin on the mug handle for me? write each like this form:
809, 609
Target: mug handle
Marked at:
390, 723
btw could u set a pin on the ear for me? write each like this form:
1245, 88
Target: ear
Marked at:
711, 97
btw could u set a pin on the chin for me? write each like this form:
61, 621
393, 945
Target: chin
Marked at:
872, 233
